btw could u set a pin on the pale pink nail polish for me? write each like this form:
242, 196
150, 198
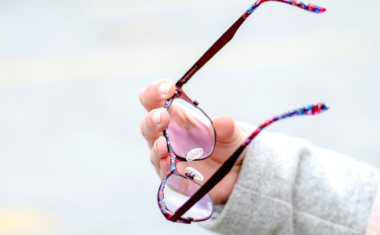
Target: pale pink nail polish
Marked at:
165, 88
157, 116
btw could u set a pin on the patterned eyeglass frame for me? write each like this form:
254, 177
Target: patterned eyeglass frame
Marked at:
227, 166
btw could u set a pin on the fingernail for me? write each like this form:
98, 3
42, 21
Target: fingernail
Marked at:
157, 116
165, 88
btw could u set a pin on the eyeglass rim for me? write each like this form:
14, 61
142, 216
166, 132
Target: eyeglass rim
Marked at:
174, 159
162, 200
181, 95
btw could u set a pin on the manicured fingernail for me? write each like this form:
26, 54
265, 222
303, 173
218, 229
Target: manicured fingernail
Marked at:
165, 88
157, 116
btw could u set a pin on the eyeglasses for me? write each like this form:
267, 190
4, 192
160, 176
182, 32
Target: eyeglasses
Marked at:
191, 136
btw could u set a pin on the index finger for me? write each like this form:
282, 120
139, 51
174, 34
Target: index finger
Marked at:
154, 95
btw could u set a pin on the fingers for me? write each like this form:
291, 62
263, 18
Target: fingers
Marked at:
154, 124
159, 156
154, 95
153, 99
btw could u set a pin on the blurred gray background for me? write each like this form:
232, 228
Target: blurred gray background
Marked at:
72, 159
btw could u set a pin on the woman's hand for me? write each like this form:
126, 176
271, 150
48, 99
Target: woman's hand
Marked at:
228, 138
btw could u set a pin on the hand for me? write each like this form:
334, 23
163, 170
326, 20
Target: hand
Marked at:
228, 138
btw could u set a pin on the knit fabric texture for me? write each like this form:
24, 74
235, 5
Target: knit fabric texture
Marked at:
288, 186
374, 220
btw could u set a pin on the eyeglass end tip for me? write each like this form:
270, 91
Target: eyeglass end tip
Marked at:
320, 108
322, 10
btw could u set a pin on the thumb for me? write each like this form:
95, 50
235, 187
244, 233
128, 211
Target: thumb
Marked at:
227, 132
229, 137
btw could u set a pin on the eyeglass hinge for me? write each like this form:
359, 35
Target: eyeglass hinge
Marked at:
195, 103
177, 91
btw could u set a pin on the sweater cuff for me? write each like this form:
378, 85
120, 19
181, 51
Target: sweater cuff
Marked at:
288, 186
261, 213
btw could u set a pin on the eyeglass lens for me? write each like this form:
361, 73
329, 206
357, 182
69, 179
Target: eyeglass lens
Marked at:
178, 190
191, 133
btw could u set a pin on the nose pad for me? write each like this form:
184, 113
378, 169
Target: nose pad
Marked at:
194, 173
194, 154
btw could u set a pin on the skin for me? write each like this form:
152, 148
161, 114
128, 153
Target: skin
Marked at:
228, 138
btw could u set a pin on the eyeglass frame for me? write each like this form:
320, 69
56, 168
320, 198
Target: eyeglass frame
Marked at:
227, 166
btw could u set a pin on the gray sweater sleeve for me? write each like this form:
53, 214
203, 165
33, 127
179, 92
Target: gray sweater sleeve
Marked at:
288, 186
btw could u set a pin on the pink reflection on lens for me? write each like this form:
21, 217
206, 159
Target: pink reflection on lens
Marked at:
190, 129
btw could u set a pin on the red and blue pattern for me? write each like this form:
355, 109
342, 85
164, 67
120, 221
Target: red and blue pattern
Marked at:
160, 197
308, 110
302, 5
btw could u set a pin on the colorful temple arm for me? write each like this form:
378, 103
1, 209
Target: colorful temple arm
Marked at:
302, 5
229, 34
227, 166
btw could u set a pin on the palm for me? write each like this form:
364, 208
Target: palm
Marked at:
228, 138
